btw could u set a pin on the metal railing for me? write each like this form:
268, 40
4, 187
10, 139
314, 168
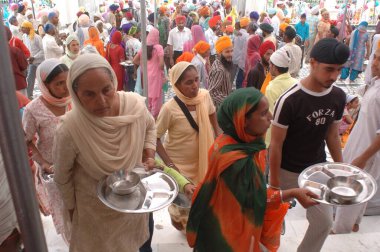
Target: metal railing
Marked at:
15, 157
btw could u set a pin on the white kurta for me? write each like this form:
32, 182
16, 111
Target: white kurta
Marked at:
361, 137
368, 70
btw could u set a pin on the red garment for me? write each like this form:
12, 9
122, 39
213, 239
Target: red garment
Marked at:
22, 100
16, 42
19, 65
115, 55
253, 55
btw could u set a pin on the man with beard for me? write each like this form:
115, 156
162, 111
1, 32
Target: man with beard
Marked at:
177, 37
258, 74
306, 117
267, 32
220, 85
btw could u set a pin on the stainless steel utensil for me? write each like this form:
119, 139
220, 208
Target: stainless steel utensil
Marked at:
344, 190
123, 183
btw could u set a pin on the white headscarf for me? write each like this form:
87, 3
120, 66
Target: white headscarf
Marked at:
107, 144
70, 39
43, 71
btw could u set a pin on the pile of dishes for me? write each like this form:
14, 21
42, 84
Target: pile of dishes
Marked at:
338, 183
131, 192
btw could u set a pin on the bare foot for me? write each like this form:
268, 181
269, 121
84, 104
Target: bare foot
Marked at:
355, 228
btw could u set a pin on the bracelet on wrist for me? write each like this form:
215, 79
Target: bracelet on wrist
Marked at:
274, 187
171, 165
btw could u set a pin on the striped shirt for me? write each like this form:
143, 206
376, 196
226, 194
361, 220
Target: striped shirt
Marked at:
220, 85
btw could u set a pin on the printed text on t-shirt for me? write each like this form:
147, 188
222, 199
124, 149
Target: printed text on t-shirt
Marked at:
319, 116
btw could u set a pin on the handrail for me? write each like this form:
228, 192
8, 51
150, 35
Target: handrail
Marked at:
14, 153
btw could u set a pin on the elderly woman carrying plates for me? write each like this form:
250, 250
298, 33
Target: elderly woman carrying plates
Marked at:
106, 131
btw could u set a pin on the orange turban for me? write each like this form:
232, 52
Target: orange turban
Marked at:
214, 21
244, 22
227, 4
229, 28
283, 26
223, 43
201, 47
163, 10
204, 11
186, 56
287, 20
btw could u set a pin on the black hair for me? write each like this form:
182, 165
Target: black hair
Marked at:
334, 31
252, 110
303, 15
282, 70
290, 33
180, 79
61, 68
149, 52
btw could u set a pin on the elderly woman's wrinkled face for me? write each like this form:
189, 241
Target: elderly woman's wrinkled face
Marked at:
96, 92
258, 122
326, 16
189, 84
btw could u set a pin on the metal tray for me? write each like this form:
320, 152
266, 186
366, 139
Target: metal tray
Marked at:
126, 63
314, 178
153, 193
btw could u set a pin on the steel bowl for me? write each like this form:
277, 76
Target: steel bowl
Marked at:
344, 189
123, 183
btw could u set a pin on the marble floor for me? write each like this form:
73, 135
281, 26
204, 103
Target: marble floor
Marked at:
167, 239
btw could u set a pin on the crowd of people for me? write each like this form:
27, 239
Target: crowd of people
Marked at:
240, 129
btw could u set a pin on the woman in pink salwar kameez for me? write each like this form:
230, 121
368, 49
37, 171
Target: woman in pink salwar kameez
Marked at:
155, 69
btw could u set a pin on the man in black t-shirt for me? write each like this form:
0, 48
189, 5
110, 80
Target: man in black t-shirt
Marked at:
306, 117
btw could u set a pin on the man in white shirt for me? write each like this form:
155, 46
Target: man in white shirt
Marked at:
177, 37
211, 35
49, 43
275, 20
202, 50
294, 51
240, 47
14, 27
21, 14
34, 43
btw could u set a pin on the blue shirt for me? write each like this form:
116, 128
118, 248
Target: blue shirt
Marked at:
302, 30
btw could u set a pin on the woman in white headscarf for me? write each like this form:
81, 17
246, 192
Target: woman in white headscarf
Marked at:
40, 119
106, 131
72, 50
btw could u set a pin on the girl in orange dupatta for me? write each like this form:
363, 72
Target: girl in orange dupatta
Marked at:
232, 209
95, 40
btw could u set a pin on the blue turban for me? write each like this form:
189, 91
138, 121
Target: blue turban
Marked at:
126, 27
272, 11
114, 7
48, 27
364, 23
21, 7
52, 14
254, 15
